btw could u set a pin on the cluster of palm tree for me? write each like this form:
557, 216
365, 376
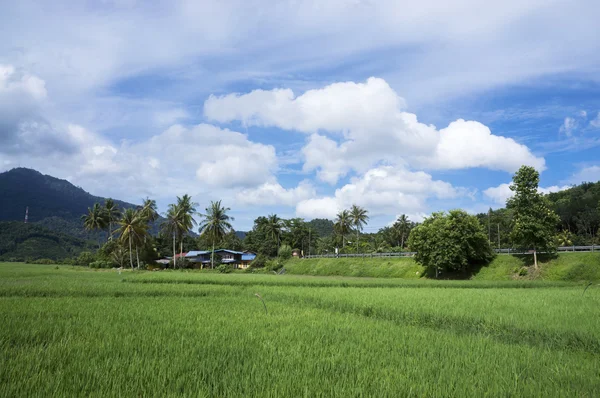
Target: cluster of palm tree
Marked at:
133, 224
347, 220
179, 221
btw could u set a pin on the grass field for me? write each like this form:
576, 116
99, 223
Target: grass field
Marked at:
562, 267
78, 332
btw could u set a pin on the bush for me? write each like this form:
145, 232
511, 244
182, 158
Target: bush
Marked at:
273, 265
225, 268
44, 261
85, 259
285, 252
259, 262
182, 263
523, 271
101, 264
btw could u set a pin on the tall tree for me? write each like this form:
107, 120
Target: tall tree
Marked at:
95, 219
149, 210
185, 213
132, 230
273, 226
215, 223
359, 218
402, 228
112, 214
534, 222
174, 227
343, 225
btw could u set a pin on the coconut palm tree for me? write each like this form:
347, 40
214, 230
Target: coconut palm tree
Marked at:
132, 230
185, 213
215, 224
343, 224
402, 228
173, 226
273, 227
112, 213
148, 210
359, 218
95, 219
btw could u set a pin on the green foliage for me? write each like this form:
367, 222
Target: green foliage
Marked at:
225, 268
43, 261
451, 242
534, 222
101, 264
21, 241
405, 268
85, 259
260, 261
321, 227
285, 252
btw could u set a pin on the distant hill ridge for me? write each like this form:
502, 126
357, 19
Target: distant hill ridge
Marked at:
54, 203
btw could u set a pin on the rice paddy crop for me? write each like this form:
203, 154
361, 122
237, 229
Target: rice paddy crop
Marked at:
76, 332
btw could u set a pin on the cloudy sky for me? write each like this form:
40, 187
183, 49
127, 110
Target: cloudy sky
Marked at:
302, 108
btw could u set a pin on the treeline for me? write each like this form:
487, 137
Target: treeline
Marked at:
578, 209
23, 242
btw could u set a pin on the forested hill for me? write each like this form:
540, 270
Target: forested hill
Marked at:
54, 203
579, 211
20, 241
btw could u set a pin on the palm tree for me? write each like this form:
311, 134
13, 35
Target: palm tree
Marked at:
173, 226
185, 213
95, 219
273, 227
148, 210
215, 223
112, 215
402, 227
343, 224
132, 229
359, 218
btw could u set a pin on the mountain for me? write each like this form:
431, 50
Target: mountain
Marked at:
53, 203
20, 241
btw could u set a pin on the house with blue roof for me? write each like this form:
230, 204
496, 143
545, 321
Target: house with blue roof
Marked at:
238, 259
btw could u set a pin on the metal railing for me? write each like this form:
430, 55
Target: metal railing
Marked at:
562, 249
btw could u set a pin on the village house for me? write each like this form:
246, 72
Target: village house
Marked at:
238, 259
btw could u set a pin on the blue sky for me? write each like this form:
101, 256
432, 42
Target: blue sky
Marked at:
302, 108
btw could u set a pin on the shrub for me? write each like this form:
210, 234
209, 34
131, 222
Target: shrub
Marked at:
44, 261
85, 259
273, 265
182, 263
101, 264
259, 262
523, 271
285, 252
225, 268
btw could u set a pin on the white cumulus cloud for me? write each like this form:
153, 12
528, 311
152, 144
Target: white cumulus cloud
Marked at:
355, 126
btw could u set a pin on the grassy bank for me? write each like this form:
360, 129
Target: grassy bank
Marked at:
570, 267
69, 331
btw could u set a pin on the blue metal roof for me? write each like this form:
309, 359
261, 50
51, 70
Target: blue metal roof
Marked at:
197, 253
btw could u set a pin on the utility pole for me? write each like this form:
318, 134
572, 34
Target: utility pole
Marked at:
489, 226
26, 214
309, 242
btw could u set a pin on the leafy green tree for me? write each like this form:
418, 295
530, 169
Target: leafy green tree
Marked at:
534, 222
216, 224
451, 241
132, 230
343, 225
358, 218
112, 213
95, 219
